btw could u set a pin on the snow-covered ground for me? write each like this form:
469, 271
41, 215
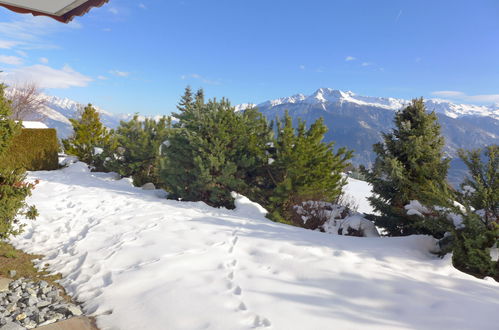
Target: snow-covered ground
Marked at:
139, 261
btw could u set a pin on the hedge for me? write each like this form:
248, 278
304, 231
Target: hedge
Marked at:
33, 149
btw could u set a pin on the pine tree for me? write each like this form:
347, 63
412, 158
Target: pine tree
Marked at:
303, 167
480, 230
471, 246
89, 133
13, 187
410, 165
482, 185
212, 151
136, 149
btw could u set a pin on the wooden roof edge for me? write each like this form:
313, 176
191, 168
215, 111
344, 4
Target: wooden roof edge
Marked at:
65, 18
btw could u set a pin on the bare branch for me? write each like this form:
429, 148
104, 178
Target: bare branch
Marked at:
27, 102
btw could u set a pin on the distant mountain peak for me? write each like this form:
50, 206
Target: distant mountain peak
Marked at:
326, 96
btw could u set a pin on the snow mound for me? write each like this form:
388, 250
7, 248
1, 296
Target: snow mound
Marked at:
246, 208
358, 223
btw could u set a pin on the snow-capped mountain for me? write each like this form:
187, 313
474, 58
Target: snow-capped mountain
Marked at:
356, 121
325, 97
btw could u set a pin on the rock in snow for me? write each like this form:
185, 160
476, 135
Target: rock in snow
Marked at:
137, 261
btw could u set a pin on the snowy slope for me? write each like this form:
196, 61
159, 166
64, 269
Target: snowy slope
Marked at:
138, 261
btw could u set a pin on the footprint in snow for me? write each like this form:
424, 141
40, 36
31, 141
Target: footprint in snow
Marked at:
261, 322
237, 291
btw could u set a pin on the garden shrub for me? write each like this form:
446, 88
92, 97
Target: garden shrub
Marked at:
33, 150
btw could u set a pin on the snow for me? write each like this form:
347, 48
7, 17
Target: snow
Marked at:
33, 124
415, 208
138, 261
359, 223
358, 191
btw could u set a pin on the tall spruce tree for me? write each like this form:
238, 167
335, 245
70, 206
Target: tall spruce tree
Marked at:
303, 167
88, 134
13, 187
137, 148
410, 165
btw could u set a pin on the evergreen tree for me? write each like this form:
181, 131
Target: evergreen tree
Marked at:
213, 150
8, 128
136, 149
303, 167
13, 188
471, 246
482, 185
480, 230
89, 134
410, 165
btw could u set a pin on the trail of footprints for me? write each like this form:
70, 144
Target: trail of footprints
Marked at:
256, 321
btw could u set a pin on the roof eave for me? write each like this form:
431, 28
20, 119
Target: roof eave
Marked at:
64, 18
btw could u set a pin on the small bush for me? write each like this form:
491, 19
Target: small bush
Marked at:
33, 150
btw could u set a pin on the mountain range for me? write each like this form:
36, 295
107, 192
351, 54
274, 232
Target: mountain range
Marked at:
354, 121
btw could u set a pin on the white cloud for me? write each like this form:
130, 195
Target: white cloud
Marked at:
8, 44
201, 78
118, 73
457, 95
44, 60
350, 58
102, 77
30, 28
22, 53
366, 63
113, 10
28, 32
11, 60
46, 77
451, 94
142, 6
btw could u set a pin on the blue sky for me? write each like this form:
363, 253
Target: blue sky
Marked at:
131, 56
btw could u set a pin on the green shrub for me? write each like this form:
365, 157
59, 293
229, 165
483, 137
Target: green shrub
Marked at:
134, 149
89, 134
33, 150
13, 188
303, 168
472, 244
214, 150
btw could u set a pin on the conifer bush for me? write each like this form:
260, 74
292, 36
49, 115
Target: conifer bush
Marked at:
135, 149
303, 168
13, 188
213, 150
89, 134
480, 230
410, 165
